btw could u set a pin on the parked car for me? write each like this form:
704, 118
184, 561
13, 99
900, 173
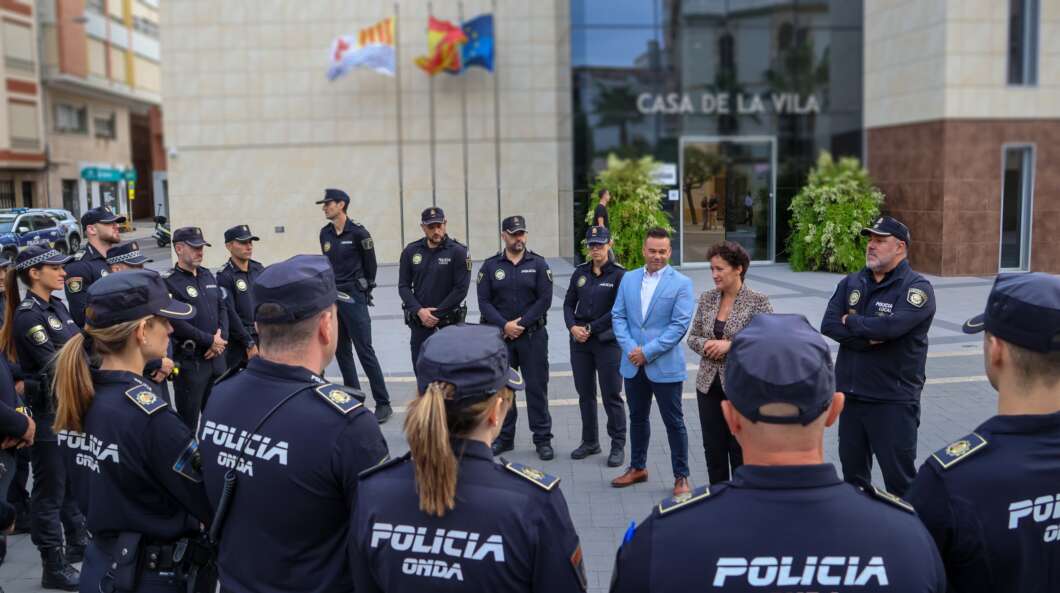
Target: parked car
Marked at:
71, 227
22, 227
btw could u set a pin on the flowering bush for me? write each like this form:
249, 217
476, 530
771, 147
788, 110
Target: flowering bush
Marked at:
827, 216
635, 207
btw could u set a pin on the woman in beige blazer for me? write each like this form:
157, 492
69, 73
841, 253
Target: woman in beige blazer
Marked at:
721, 314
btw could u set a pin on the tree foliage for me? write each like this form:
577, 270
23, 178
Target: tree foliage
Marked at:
827, 216
635, 207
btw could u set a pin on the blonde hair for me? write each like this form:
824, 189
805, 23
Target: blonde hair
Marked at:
428, 427
73, 377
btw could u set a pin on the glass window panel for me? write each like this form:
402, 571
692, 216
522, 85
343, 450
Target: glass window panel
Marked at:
639, 13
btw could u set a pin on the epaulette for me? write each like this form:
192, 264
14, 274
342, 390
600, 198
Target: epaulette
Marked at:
958, 450
145, 399
80, 254
167, 273
231, 372
585, 263
338, 398
884, 496
538, 477
688, 498
26, 304
385, 463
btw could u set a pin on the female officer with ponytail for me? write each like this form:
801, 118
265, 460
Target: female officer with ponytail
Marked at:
136, 463
445, 517
34, 330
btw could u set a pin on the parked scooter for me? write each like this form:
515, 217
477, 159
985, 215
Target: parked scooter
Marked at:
163, 236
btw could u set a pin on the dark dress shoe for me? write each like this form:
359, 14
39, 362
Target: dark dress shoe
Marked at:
584, 450
499, 447
617, 457
545, 452
681, 486
383, 412
631, 477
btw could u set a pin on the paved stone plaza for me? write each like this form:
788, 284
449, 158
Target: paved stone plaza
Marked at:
956, 399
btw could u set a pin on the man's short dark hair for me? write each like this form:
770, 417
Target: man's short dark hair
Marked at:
657, 233
284, 336
733, 254
1035, 367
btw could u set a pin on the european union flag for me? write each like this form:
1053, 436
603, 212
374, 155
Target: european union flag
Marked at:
478, 51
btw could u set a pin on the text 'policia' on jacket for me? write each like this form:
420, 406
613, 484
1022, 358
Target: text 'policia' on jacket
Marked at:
884, 341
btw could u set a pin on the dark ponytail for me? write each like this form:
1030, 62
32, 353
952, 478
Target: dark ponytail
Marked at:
7, 334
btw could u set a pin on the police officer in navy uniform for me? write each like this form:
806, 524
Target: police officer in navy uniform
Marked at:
594, 352
351, 251
236, 277
478, 525
785, 522
514, 294
433, 277
880, 316
101, 233
33, 332
136, 463
198, 343
287, 520
991, 499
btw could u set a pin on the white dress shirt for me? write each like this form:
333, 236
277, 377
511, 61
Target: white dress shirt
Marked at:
647, 289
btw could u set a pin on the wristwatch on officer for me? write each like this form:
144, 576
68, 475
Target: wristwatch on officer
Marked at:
588, 328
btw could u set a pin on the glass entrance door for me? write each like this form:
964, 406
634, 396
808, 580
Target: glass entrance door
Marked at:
727, 194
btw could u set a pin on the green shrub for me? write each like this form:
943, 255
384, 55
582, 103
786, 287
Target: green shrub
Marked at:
635, 207
827, 216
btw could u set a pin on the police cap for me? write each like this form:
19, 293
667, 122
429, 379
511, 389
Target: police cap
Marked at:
192, 235
100, 214
39, 255
514, 224
473, 358
779, 359
117, 298
127, 253
240, 232
299, 288
597, 235
432, 215
885, 226
334, 195
1023, 309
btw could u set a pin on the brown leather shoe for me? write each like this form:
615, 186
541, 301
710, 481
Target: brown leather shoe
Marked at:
681, 486
631, 477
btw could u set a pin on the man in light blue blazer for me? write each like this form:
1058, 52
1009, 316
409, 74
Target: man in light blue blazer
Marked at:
651, 315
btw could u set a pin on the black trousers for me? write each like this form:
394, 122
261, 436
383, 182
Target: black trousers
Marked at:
418, 336
192, 383
722, 452
591, 361
529, 354
355, 334
886, 430
52, 503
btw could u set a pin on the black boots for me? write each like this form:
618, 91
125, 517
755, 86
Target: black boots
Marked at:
75, 546
57, 573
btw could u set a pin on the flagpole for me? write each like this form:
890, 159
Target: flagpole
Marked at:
430, 92
400, 136
496, 121
463, 121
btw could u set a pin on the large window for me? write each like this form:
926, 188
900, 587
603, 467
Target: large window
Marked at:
1016, 205
1023, 42
28, 188
70, 197
7, 193
70, 118
106, 126
18, 47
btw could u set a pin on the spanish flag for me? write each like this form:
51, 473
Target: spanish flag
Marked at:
444, 40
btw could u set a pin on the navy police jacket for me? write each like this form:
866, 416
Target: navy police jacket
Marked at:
883, 344
510, 531
88, 266
507, 291
236, 284
41, 329
781, 528
352, 255
991, 500
590, 297
287, 523
436, 277
135, 464
211, 309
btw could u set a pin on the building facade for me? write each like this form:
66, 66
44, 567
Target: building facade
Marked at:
22, 157
734, 98
102, 79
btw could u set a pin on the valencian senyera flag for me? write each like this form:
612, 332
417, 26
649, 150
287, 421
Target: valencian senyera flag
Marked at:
372, 48
444, 40
478, 51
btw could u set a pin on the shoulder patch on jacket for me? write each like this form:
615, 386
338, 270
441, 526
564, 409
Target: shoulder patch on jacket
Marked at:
538, 477
338, 398
26, 304
959, 450
687, 499
80, 254
145, 399
884, 496
385, 463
